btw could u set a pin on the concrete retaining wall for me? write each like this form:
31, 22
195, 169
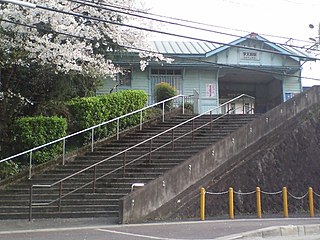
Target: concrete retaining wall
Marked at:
135, 206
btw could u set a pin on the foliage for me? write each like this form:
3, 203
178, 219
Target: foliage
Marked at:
164, 91
189, 106
30, 132
48, 57
8, 168
69, 42
87, 112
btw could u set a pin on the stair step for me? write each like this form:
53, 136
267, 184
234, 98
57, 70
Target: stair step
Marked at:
105, 200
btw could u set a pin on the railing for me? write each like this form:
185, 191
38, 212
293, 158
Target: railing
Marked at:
257, 192
124, 154
92, 129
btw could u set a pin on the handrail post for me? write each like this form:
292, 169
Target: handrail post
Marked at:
60, 195
182, 105
124, 164
118, 128
210, 120
92, 139
163, 112
141, 120
150, 151
64, 152
94, 178
172, 134
243, 106
30, 203
30, 165
192, 130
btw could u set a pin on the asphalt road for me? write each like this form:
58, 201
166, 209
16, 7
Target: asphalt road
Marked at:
159, 231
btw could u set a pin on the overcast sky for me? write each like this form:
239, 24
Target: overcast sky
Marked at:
285, 18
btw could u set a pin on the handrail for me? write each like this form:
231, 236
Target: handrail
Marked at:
92, 129
124, 152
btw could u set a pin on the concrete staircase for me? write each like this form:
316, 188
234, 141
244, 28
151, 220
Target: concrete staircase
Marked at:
104, 201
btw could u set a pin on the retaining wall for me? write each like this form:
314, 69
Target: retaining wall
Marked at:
139, 204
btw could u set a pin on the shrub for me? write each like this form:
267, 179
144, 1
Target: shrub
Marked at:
87, 112
8, 168
164, 91
30, 132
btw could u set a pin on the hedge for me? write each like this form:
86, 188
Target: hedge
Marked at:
87, 112
30, 132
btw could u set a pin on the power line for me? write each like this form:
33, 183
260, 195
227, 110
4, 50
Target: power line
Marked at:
171, 34
200, 23
170, 56
111, 8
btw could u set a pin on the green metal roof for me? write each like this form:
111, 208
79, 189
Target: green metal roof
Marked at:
188, 48
207, 49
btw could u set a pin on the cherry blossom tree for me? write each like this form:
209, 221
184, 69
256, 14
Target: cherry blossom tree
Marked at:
61, 50
78, 41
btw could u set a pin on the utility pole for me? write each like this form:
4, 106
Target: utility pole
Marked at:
316, 40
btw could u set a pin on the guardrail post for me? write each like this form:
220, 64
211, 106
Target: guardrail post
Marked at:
124, 164
150, 151
92, 139
94, 178
30, 165
60, 195
30, 203
172, 139
311, 207
231, 206
285, 202
202, 204
258, 197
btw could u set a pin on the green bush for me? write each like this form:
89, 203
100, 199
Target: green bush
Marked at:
87, 112
8, 168
164, 91
30, 132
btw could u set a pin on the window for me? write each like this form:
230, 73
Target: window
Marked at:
124, 77
170, 76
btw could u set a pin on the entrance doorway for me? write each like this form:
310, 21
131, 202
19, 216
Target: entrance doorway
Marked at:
266, 90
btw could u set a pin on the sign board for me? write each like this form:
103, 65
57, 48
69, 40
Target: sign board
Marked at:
210, 90
249, 55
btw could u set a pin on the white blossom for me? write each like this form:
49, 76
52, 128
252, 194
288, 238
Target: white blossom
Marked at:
68, 53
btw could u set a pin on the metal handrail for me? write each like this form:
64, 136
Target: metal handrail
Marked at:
124, 152
30, 151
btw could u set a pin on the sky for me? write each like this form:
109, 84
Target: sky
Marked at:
284, 18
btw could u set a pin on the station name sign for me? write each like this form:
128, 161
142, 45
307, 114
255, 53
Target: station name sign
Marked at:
249, 55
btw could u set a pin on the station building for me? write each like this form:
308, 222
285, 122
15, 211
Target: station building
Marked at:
269, 72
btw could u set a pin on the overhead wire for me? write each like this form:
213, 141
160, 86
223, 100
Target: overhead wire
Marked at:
199, 23
170, 34
110, 7
167, 55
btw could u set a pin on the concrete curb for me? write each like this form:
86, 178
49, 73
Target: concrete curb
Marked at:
282, 231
